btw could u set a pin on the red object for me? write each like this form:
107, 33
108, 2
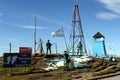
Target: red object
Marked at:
26, 50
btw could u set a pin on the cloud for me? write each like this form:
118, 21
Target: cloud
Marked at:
1, 47
52, 21
113, 6
32, 27
4, 22
107, 16
24, 26
43, 18
13, 40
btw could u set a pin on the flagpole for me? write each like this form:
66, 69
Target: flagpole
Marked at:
65, 40
60, 33
35, 37
65, 43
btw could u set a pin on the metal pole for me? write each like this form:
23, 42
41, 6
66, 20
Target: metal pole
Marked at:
10, 47
10, 68
56, 47
74, 18
65, 41
35, 37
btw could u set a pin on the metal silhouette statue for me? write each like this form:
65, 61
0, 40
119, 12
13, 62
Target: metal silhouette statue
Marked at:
48, 47
79, 48
67, 60
40, 47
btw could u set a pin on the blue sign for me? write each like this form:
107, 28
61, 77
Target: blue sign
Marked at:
17, 60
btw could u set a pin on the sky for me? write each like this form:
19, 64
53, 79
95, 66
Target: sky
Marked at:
17, 22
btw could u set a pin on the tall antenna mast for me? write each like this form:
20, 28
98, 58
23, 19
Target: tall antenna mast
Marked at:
76, 34
35, 37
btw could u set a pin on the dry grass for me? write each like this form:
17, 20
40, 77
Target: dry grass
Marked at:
35, 72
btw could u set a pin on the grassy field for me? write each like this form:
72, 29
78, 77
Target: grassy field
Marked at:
97, 67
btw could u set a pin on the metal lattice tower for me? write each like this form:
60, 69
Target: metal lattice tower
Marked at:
76, 34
